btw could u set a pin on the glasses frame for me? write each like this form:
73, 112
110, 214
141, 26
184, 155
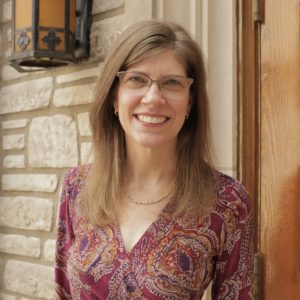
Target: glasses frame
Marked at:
121, 74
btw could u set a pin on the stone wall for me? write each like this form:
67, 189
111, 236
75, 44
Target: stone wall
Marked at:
44, 131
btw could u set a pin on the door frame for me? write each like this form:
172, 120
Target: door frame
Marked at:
249, 19
248, 74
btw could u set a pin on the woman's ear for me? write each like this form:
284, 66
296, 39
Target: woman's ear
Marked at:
116, 105
190, 104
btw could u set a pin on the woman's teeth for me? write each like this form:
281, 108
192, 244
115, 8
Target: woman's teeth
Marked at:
150, 119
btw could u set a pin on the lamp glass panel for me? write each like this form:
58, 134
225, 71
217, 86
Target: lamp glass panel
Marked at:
52, 13
23, 13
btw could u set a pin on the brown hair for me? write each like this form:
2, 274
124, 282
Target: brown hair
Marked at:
194, 172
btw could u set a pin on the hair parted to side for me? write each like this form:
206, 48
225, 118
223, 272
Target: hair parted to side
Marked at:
195, 175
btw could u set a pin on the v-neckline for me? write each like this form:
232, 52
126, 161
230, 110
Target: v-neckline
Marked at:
162, 214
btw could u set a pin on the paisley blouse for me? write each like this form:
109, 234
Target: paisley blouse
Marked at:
175, 259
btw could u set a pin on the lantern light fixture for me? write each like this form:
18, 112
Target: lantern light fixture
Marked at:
49, 33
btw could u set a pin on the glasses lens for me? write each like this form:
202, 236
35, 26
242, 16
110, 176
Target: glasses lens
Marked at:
138, 83
133, 81
174, 83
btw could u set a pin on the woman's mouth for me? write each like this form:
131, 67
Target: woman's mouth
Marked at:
152, 119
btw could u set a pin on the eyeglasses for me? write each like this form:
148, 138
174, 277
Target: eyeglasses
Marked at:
137, 84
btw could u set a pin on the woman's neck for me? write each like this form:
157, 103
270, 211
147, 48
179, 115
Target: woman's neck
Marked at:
150, 167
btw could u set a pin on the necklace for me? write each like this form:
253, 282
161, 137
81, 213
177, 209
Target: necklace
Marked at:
152, 202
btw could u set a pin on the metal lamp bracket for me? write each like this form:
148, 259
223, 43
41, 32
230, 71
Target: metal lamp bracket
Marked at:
83, 24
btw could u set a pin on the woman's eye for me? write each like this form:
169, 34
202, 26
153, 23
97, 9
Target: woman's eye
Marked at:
172, 82
138, 79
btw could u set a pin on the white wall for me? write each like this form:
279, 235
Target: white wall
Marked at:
212, 23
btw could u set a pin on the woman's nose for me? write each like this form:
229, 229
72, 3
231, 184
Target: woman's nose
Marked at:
153, 95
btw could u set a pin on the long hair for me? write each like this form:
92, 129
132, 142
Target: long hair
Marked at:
194, 173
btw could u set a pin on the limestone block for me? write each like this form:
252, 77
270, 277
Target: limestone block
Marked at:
10, 73
86, 153
46, 183
7, 297
29, 279
1, 36
7, 53
14, 161
74, 95
49, 250
8, 35
100, 6
30, 213
103, 34
26, 96
13, 141
20, 123
92, 72
20, 245
52, 142
7, 11
84, 124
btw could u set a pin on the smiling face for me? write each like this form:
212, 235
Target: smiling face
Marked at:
153, 117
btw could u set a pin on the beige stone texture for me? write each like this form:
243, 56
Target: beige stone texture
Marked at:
86, 153
10, 73
29, 279
84, 124
49, 250
74, 95
12, 124
8, 35
30, 213
26, 96
14, 161
46, 183
78, 75
100, 6
7, 297
103, 34
13, 142
7, 52
20, 245
52, 142
7, 11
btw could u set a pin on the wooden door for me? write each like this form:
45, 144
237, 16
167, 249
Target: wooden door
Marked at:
269, 165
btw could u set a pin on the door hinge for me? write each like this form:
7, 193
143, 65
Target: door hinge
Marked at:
258, 10
258, 265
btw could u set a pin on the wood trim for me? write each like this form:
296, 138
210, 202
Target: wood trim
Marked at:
248, 97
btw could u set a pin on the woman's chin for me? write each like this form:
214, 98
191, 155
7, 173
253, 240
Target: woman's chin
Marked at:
151, 142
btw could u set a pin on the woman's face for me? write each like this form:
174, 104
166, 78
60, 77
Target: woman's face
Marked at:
153, 116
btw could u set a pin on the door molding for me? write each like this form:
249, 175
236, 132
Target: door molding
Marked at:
248, 99
249, 18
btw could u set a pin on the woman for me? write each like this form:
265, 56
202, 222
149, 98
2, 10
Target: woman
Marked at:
151, 218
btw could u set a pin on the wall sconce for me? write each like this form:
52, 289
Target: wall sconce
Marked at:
49, 33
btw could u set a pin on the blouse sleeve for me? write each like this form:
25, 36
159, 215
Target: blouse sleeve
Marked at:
233, 274
64, 238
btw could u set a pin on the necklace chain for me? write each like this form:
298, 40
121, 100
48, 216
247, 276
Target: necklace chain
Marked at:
152, 202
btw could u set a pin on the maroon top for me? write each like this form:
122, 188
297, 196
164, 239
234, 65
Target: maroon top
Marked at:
176, 258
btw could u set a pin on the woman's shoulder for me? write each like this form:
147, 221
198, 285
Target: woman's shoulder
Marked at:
74, 179
231, 194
